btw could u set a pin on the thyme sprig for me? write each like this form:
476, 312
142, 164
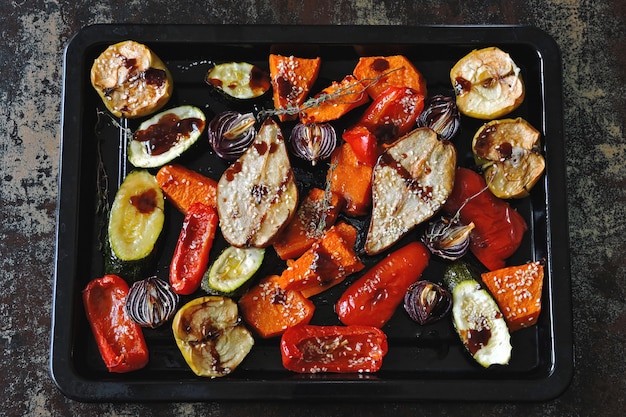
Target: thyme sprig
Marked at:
317, 101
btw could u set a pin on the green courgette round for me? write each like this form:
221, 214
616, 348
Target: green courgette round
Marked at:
232, 270
136, 219
476, 317
166, 136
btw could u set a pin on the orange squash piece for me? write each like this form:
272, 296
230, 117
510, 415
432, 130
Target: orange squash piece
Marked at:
517, 290
183, 187
315, 215
270, 310
379, 72
343, 97
351, 179
292, 79
325, 264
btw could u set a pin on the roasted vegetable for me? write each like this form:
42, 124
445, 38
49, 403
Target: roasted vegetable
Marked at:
210, 336
442, 115
231, 133
191, 255
313, 142
447, 238
166, 136
487, 83
131, 80
239, 80
270, 310
517, 290
135, 224
232, 270
325, 264
363, 143
315, 215
257, 195
372, 299
335, 101
292, 78
476, 316
498, 228
151, 302
120, 340
392, 114
508, 152
427, 302
313, 349
411, 181
379, 72
351, 179
183, 187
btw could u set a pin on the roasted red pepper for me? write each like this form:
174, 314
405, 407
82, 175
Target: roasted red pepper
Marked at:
191, 256
498, 228
392, 114
363, 143
312, 349
372, 299
120, 340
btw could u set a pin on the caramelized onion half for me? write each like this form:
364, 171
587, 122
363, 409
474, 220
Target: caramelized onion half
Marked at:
427, 302
313, 142
447, 238
231, 133
151, 302
442, 115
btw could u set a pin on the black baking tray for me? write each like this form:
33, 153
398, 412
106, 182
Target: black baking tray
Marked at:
424, 362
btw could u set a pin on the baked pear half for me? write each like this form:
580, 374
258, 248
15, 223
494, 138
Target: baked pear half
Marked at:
508, 150
257, 195
131, 80
410, 183
487, 83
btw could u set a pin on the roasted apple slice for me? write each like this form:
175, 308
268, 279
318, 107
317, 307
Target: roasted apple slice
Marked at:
411, 181
508, 151
257, 195
131, 80
487, 83
211, 336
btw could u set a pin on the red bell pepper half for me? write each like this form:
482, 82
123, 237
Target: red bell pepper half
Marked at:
392, 114
312, 349
363, 143
372, 299
120, 340
498, 228
191, 256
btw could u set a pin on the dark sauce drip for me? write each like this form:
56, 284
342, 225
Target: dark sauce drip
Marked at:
233, 170
145, 202
167, 132
259, 192
461, 85
505, 150
259, 80
285, 87
261, 147
478, 338
156, 77
279, 296
380, 65
424, 193
484, 140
